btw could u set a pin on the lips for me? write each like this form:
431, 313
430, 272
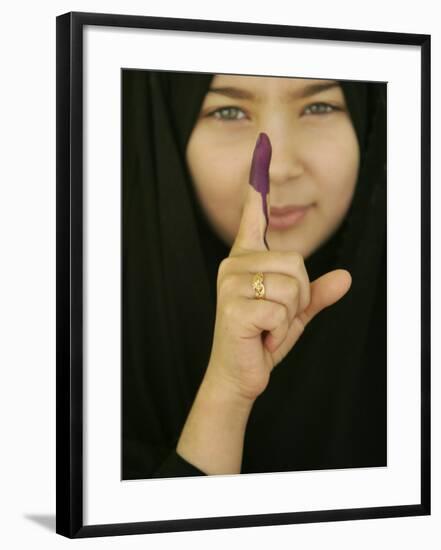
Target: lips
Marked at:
287, 216
282, 211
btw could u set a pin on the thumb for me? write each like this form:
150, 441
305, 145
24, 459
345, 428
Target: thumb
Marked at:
254, 221
325, 291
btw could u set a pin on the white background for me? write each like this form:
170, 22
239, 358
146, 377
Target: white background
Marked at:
27, 300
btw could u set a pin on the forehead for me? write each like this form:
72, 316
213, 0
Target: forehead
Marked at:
258, 88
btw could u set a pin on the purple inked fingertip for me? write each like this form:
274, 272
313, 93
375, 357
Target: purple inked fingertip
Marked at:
259, 173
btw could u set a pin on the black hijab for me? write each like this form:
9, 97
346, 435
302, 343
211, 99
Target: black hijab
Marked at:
325, 405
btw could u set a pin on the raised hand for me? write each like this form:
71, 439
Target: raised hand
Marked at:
253, 335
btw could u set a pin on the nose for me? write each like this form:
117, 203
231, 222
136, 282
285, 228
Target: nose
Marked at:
286, 158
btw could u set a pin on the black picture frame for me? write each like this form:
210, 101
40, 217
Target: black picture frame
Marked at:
69, 273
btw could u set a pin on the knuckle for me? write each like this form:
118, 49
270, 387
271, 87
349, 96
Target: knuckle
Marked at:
300, 324
229, 309
224, 268
296, 258
307, 299
228, 284
280, 315
294, 289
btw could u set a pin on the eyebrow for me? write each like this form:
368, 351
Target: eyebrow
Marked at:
307, 91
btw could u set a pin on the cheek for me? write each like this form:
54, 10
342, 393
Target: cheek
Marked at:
218, 182
335, 165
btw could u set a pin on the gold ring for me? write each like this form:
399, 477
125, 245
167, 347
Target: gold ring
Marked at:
258, 286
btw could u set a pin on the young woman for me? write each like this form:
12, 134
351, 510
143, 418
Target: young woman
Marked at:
219, 380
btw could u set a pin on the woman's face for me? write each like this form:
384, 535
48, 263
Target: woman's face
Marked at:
315, 155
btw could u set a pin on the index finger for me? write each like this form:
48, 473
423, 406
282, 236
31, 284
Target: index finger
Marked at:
254, 221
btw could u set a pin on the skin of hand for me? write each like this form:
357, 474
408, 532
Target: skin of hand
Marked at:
252, 336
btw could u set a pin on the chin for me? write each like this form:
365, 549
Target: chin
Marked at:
286, 243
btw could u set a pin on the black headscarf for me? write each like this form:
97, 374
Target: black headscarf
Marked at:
325, 405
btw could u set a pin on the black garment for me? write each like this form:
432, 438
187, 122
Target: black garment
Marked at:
325, 405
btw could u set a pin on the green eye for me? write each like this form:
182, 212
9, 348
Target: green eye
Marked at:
320, 109
224, 114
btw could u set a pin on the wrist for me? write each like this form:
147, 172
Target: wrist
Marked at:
219, 387
213, 434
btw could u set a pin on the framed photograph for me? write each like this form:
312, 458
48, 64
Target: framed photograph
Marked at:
243, 274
